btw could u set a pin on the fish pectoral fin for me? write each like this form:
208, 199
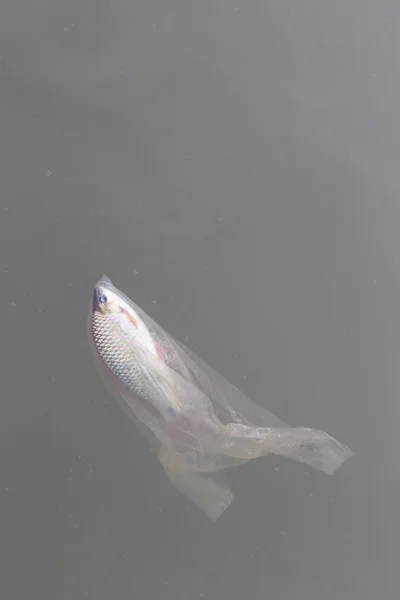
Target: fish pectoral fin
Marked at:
207, 492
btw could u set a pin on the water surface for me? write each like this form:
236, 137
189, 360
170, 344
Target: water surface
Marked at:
232, 166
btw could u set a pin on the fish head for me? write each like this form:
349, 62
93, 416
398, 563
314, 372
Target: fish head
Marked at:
111, 304
105, 297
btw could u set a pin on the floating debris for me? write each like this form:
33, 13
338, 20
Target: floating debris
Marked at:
177, 398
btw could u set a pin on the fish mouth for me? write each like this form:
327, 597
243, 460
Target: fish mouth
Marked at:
105, 282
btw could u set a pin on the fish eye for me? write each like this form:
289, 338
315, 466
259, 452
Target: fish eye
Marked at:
102, 299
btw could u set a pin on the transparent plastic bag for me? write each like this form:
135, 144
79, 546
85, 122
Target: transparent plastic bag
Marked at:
199, 423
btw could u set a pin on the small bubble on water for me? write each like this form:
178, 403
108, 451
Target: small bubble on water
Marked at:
277, 469
53, 379
49, 173
136, 272
154, 301
13, 303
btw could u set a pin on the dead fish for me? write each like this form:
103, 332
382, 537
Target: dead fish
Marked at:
198, 422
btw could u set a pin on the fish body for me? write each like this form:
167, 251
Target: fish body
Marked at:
126, 347
199, 422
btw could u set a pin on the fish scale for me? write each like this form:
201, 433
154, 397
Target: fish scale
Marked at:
124, 362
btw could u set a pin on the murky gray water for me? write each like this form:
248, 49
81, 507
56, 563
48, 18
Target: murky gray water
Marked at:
233, 167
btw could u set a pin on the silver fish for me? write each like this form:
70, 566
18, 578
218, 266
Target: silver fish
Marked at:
197, 421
